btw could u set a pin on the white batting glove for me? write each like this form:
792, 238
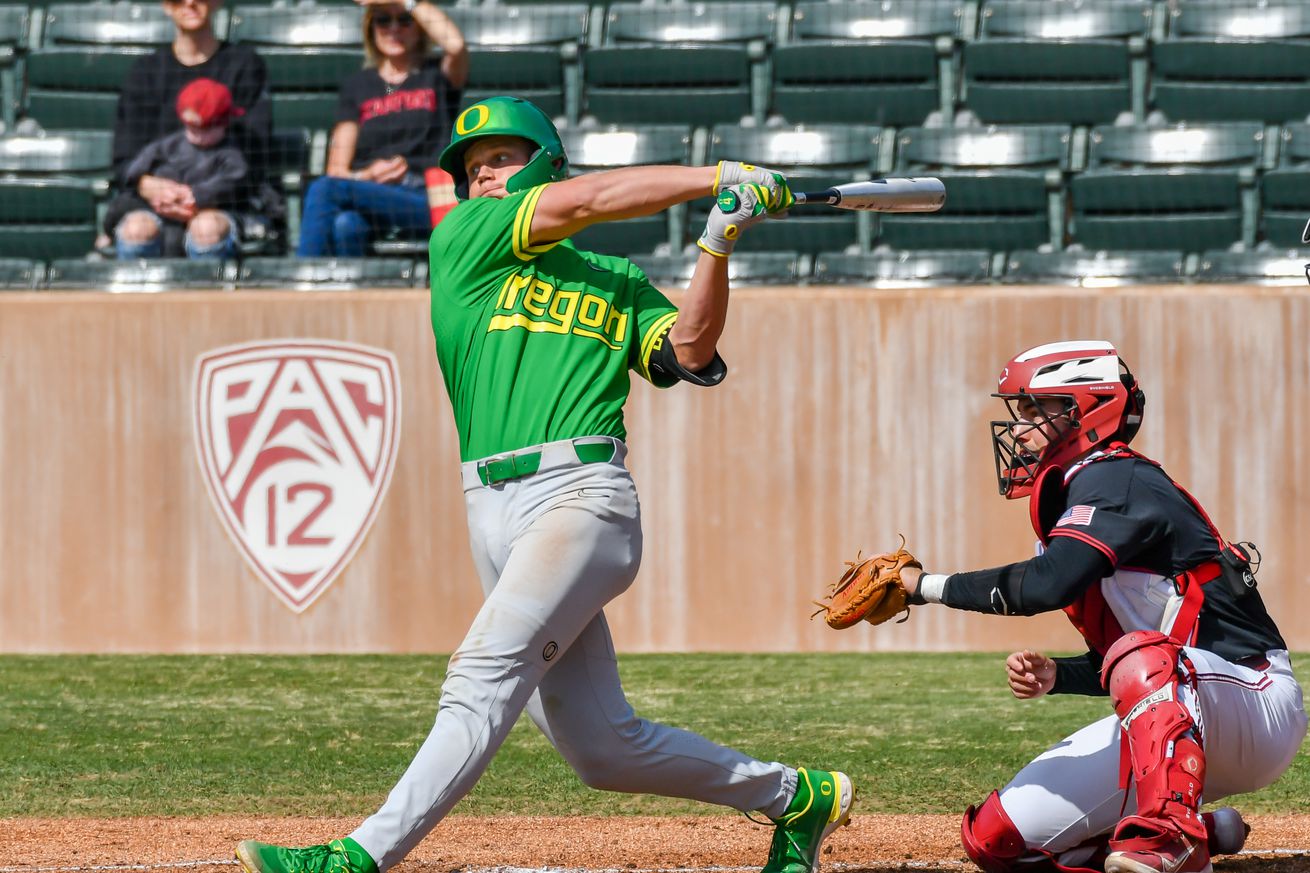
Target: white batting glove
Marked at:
734, 210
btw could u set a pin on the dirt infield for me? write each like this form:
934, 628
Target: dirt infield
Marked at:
872, 843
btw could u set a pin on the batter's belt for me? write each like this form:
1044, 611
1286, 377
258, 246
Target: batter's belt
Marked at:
539, 459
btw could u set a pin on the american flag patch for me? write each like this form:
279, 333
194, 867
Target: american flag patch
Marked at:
1080, 515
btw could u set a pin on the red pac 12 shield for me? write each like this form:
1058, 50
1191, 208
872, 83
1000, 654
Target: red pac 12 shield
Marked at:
297, 440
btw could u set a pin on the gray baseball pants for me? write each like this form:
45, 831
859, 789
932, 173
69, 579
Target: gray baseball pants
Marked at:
551, 550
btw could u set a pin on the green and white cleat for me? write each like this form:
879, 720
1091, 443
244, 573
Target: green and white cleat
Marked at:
822, 804
338, 856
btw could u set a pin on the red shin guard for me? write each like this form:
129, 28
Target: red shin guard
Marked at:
1142, 674
991, 841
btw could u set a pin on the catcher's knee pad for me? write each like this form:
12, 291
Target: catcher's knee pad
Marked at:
990, 838
1142, 673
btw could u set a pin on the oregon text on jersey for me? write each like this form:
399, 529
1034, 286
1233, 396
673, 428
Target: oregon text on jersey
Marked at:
533, 304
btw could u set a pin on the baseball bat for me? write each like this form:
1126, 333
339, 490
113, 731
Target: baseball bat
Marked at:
910, 194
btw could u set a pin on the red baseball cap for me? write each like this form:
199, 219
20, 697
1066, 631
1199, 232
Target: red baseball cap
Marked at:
206, 102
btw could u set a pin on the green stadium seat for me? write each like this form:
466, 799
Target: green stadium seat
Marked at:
868, 61
1095, 269
1253, 267
83, 153
20, 274
85, 53
308, 54
916, 269
1285, 190
813, 158
46, 218
530, 52
685, 64
1229, 61
1187, 188
15, 24
326, 274
1003, 187
1074, 62
156, 274
608, 148
747, 268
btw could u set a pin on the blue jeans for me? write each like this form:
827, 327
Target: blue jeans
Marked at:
340, 215
154, 247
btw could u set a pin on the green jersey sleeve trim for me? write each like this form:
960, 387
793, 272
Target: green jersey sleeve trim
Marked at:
522, 232
653, 333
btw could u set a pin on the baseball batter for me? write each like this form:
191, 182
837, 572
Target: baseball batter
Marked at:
535, 340
1178, 637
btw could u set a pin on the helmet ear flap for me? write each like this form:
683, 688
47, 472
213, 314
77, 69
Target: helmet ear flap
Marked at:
1133, 409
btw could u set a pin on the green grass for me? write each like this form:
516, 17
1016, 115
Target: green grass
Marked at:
328, 735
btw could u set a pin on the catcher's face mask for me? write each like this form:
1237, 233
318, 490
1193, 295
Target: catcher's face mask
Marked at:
1036, 428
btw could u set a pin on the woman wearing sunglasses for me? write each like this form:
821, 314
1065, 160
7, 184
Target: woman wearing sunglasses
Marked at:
393, 119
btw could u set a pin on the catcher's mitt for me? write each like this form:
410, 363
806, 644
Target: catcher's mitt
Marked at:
870, 590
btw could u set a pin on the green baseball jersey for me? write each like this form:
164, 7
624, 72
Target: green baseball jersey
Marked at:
535, 342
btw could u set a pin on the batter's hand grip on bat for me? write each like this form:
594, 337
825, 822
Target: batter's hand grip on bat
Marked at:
905, 194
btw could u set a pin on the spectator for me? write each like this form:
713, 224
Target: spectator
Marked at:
147, 112
393, 119
198, 173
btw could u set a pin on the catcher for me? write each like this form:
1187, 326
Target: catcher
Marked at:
1202, 687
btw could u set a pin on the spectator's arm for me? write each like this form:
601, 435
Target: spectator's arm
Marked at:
255, 127
341, 149
223, 181
137, 102
141, 165
446, 34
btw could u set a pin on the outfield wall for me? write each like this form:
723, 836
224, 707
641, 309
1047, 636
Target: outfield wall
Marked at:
849, 415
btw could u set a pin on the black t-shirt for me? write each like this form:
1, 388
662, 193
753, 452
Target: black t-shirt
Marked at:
412, 119
147, 105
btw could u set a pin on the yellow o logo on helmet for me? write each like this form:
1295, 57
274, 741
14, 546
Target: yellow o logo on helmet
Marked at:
481, 115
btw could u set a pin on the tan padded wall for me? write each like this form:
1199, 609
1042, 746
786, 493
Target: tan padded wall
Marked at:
849, 416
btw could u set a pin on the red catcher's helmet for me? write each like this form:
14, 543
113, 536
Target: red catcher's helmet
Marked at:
1102, 402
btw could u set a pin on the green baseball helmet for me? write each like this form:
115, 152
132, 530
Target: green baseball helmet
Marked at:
507, 116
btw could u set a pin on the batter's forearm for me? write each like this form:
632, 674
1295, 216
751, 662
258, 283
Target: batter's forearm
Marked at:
614, 195
703, 313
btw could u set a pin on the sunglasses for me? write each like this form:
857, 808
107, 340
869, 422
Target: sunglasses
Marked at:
404, 19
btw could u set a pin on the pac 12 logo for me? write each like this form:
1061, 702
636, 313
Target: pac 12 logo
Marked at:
297, 441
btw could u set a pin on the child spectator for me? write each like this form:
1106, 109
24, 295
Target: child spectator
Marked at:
147, 111
197, 173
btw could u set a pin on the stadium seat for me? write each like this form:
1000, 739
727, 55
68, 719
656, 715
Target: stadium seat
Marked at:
604, 149
689, 63
14, 27
747, 268
1095, 269
1285, 190
1228, 61
1077, 62
326, 274
46, 218
156, 274
20, 274
892, 269
868, 61
528, 52
1187, 188
1003, 187
813, 158
308, 54
85, 53
83, 153
1254, 267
